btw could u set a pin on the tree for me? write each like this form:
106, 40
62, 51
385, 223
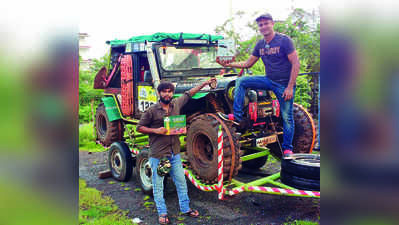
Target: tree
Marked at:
305, 37
89, 98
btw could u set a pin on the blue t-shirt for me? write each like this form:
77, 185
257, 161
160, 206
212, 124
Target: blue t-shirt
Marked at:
275, 57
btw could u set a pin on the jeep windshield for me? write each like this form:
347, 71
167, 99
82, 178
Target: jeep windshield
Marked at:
188, 58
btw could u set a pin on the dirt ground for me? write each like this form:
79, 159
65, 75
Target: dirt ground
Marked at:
244, 208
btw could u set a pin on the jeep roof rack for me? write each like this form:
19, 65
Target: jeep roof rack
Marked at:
157, 37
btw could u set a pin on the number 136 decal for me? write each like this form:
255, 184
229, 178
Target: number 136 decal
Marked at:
144, 105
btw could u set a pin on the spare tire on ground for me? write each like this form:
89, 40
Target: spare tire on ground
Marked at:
303, 165
301, 172
107, 131
300, 183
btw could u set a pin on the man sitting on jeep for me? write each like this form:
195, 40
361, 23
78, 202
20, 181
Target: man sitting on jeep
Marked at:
282, 66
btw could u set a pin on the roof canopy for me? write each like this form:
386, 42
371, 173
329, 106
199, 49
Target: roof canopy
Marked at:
163, 36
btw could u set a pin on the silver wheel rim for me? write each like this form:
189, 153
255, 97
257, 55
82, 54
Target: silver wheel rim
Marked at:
307, 159
146, 173
116, 162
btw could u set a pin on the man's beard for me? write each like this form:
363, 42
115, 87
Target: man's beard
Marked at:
165, 101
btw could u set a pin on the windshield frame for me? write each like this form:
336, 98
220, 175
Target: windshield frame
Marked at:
185, 72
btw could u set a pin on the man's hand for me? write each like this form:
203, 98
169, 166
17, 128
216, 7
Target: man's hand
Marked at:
288, 93
161, 130
223, 63
208, 82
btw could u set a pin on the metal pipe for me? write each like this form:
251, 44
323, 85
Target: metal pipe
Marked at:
254, 156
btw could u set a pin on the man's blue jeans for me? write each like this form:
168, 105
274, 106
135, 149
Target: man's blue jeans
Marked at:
177, 174
286, 107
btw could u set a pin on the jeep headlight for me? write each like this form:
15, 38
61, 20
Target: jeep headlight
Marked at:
250, 96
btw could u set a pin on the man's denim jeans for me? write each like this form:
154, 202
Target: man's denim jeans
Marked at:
264, 83
177, 174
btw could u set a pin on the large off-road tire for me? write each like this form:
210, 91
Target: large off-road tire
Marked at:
107, 132
304, 134
202, 148
302, 172
120, 161
254, 163
144, 172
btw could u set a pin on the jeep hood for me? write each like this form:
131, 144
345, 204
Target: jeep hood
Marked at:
185, 85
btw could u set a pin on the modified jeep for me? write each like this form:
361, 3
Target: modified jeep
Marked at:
137, 67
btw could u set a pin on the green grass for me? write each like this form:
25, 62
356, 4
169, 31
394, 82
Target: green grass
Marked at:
87, 139
95, 209
22, 203
301, 222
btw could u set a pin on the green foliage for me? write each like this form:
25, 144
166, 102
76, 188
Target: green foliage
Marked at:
87, 138
89, 98
306, 40
302, 91
97, 209
98, 63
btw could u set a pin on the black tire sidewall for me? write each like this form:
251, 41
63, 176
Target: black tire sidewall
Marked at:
299, 132
143, 154
126, 157
305, 171
299, 182
101, 112
114, 129
193, 132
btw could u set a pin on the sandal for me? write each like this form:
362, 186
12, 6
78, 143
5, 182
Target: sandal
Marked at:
192, 213
163, 219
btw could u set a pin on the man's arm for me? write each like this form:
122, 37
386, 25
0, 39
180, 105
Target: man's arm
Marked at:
147, 130
196, 89
293, 58
247, 64
182, 100
145, 121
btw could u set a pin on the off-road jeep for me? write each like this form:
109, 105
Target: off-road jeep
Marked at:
136, 68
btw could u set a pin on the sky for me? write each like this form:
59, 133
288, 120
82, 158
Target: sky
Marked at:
124, 19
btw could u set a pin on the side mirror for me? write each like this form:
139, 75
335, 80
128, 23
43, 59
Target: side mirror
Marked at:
147, 76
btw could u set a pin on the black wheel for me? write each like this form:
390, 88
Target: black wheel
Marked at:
304, 133
254, 163
120, 161
299, 182
202, 145
303, 165
144, 172
107, 131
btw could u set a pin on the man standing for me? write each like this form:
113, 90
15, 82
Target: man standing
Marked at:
282, 66
162, 145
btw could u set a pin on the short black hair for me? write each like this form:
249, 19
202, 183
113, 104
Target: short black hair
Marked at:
165, 85
266, 16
